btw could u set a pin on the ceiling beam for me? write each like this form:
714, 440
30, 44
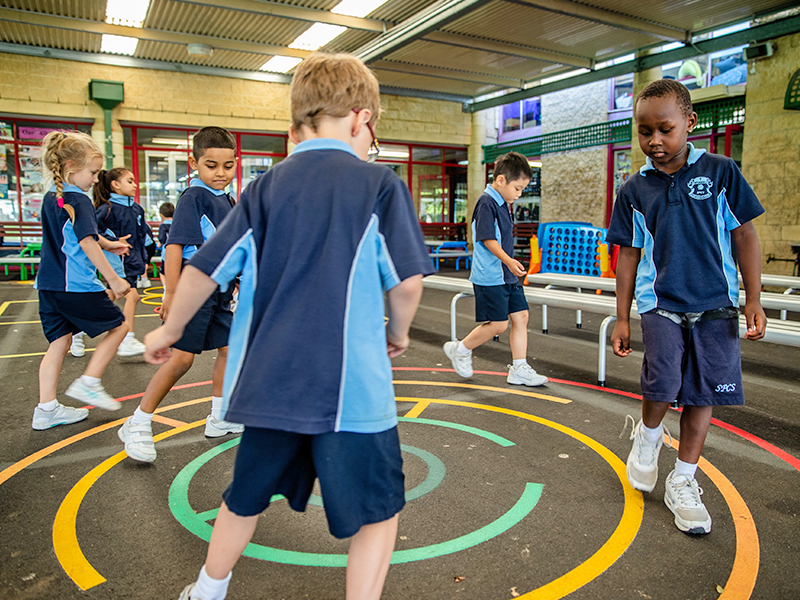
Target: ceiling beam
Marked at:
85, 25
757, 34
614, 19
481, 78
473, 43
435, 16
284, 11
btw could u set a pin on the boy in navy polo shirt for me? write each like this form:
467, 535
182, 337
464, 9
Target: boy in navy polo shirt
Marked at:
317, 239
495, 274
685, 208
201, 209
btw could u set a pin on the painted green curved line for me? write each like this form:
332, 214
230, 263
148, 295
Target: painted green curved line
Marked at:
492, 437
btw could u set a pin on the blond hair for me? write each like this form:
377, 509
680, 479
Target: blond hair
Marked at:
332, 85
63, 149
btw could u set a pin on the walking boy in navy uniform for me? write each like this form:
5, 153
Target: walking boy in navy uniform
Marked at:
495, 274
201, 209
317, 239
686, 209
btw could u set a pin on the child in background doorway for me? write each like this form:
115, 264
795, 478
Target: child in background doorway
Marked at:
201, 209
166, 211
688, 209
71, 298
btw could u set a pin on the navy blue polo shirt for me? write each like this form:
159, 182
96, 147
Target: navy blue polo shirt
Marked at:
65, 266
317, 239
491, 220
122, 216
200, 210
683, 222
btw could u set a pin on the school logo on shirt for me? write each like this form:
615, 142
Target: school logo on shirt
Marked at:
700, 188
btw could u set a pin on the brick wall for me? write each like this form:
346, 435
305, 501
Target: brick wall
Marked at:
771, 152
574, 182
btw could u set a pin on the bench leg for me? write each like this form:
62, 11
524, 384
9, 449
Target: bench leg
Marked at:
23, 273
453, 302
544, 318
601, 356
784, 314
578, 322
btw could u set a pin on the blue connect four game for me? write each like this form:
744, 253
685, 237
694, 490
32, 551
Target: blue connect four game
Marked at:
571, 247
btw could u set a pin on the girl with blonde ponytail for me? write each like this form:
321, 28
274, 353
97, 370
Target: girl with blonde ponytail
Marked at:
71, 297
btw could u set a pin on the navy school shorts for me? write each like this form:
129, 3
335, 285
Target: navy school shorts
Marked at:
360, 475
496, 302
210, 326
701, 366
70, 312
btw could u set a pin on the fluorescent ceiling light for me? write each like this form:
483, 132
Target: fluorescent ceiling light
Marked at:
316, 36
624, 59
564, 76
130, 13
281, 64
669, 66
536, 164
731, 29
118, 44
357, 8
170, 141
393, 154
671, 46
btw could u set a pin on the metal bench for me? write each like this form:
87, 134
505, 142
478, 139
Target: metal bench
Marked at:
23, 263
445, 250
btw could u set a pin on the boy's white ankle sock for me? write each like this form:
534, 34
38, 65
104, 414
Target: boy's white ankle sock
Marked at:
216, 407
209, 588
139, 416
90, 381
129, 335
652, 434
77, 335
462, 349
48, 406
519, 361
684, 468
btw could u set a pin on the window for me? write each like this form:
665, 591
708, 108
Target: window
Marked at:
522, 115
622, 94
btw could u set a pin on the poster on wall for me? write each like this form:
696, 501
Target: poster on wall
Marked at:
3, 186
6, 133
3, 165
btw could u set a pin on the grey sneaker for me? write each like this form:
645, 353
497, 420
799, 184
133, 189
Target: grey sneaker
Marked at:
682, 497
95, 395
61, 415
642, 467
462, 363
218, 427
138, 440
77, 348
186, 594
525, 375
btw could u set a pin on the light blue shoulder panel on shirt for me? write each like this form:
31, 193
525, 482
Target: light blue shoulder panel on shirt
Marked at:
646, 298
208, 229
80, 274
366, 393
487, 269
726, 221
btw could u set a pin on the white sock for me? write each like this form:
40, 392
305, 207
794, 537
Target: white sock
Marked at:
462, 349
129, 335
652, 434
90, 381
209, 588
48, 406
77, 335
139, 416
519, 361
684, 468
216, 407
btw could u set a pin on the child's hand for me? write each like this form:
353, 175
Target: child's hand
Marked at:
621, 339
516, 267
157, 346
119, 287
121, 247
165, 302
395, 347
756, 320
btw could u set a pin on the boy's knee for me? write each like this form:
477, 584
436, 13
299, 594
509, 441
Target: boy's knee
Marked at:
520, 318
498, 327
222, 352
181, 361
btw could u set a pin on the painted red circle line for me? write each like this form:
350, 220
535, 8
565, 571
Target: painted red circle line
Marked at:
771, 448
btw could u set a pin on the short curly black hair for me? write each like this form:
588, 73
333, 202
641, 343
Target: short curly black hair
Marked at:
668, 87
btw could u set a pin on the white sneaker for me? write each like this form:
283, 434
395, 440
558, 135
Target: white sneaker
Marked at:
642, 466
61, 415
143, 282
462, 363
682, 497
95, 395
77, 348
130, 346
138, 440
218, 427
525, 375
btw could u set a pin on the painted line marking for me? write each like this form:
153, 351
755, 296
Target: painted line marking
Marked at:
142, 316
489, 388
65, 537
168, 421
417, 409
8, 303
492, 437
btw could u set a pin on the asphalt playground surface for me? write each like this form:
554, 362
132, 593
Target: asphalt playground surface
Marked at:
512, 492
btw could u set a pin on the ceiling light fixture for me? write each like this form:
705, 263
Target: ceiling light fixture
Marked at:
357, 8
280, 64
130, 13
200, 50
316, 36
118, 44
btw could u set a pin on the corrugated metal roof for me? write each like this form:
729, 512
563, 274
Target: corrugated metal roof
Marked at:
47, 37
178, 53
431, 84
94, 10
